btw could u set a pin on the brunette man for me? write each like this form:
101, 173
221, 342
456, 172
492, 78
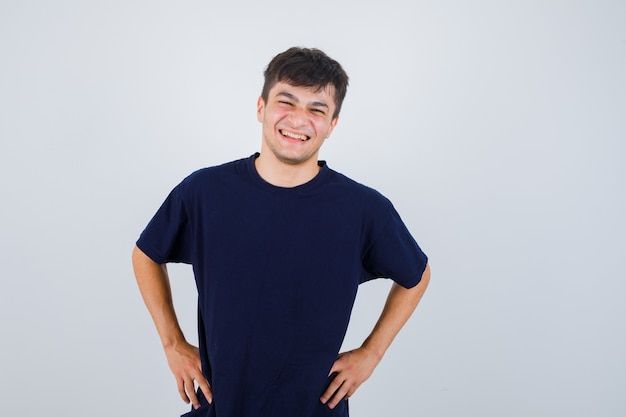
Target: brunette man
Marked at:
279, 243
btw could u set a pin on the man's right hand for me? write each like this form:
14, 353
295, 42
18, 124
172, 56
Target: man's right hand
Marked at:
184, 361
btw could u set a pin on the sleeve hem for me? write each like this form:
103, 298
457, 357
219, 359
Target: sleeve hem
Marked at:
150, 253
408, 284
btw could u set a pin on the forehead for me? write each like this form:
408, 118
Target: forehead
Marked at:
304, 94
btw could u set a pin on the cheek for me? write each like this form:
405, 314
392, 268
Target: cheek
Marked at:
275, 116
323, 128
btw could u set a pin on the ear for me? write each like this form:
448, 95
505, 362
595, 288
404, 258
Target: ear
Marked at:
333, 123
260, 109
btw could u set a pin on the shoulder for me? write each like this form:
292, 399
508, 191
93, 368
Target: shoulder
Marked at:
359, 193
207, 176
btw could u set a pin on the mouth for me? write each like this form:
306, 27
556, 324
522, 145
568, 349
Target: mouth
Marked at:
296, 136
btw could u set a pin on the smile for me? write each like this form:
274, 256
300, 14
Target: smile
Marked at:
294, 135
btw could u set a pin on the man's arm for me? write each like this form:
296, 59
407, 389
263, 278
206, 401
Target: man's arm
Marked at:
183, 358
355, 366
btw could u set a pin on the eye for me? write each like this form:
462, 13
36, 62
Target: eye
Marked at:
287, 103
319, 111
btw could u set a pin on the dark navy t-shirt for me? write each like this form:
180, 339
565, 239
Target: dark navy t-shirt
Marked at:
277, 271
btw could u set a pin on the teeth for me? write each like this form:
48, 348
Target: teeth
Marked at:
295, 136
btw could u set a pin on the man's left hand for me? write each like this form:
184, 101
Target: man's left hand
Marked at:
352, 368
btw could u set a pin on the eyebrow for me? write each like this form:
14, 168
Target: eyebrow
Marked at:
294, 98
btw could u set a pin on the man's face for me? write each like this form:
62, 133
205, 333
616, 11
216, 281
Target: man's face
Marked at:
296, 121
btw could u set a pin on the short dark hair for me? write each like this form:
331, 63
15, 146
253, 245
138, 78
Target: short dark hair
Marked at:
306, 67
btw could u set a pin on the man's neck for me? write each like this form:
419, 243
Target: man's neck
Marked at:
282, 174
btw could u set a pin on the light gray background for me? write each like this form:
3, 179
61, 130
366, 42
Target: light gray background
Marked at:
496, 128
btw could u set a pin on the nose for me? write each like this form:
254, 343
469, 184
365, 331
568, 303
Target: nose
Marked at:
297, 117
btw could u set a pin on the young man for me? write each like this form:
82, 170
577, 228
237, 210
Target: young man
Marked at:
279, 243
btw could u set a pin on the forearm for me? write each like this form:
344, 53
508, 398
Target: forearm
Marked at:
154, 285
400, 304
352, 368
183, 358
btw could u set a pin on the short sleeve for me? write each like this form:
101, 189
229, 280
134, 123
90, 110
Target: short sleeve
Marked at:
167, 236
394, 253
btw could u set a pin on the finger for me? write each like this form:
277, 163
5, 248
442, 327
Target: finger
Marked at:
337, 365
191, 392
341, 393
203, 384
336, 369
181, 390
332, 388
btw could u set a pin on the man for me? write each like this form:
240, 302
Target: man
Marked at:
279, 243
